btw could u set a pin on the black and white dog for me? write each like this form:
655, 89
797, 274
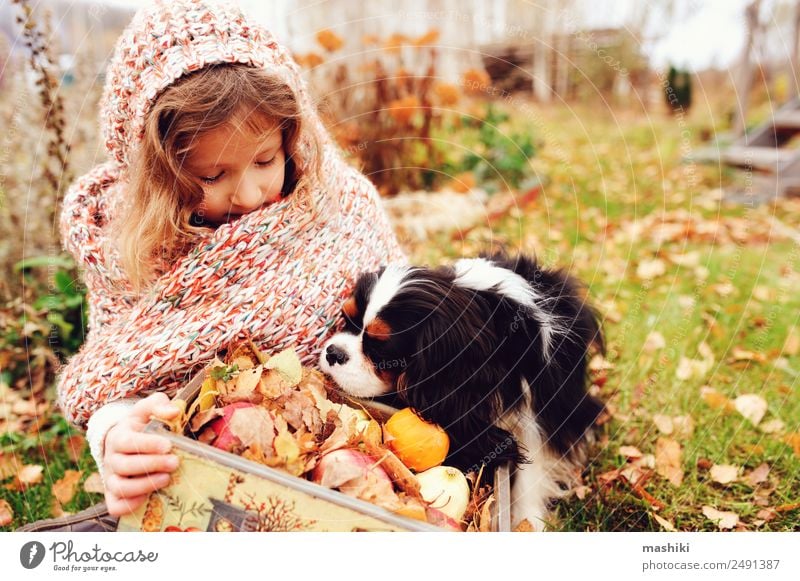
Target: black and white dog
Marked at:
492, 349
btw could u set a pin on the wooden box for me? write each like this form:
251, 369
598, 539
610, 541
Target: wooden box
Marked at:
214, 490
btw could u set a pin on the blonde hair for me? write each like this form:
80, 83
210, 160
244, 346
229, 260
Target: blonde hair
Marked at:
162, 197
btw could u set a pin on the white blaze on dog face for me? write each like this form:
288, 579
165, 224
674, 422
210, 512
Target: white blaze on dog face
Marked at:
357, 375
389, 284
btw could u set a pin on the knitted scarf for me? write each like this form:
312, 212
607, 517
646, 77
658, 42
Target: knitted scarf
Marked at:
277, 275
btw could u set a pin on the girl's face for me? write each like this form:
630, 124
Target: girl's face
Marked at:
239, 172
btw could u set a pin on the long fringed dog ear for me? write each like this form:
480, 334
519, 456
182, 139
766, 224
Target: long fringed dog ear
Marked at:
452, 382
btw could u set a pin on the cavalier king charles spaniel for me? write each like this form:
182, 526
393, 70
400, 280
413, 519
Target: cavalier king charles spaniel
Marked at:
492, 349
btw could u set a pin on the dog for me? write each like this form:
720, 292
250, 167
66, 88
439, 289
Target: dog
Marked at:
494, 350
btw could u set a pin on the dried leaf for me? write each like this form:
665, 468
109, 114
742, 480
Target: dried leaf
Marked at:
663, 423
696, 368
654, 342
724, 520
751, 406
649, 269
771, 426
792, 345
715, 399
253, 426
8, 465
74, 446
630, 452
767, 514
794, 441
758, 475
524, 526
288, 365
668, 460
684, 426
29, 475
65, 488
245, 383
486, 515
724, 473
94, 484
665, 524
739, 354
208, 393
6, 513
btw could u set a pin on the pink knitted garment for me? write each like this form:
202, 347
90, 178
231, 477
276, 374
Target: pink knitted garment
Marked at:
278, 274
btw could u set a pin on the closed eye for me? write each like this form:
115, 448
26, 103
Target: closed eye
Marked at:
265, 163
350, 324
211, 180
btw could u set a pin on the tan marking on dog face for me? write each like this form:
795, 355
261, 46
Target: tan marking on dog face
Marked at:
379, 329
350, 308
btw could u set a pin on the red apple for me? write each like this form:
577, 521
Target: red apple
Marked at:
225, 440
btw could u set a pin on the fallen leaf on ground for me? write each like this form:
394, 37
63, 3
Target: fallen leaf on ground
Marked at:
751, 406
663, 423
75, 446
696, 368
94, 483
6, 513
649, 269
668, 460
8, 465
630, 452
739, 354
524, 526
724, 520
771, 426
715, 399
65, 488
684, 426
654, 342
794, 441
792, 345
767, 514
724, 473
28, 475
758, 475
665, 524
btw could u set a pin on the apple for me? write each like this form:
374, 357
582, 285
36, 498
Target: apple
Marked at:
225, 439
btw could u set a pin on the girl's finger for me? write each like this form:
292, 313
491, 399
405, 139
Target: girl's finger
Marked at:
154, 404
124, 487
140, 464
139, 443
121, 506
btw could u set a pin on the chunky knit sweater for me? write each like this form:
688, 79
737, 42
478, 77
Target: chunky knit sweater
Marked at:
277, 275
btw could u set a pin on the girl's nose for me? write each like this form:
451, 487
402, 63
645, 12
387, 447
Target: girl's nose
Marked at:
247, 193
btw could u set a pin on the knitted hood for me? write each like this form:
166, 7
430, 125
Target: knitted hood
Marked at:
277, 274
164, 41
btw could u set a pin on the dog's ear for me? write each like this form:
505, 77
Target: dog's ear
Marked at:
452, 381
564, 408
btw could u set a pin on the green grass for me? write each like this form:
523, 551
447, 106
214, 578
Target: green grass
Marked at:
601, 177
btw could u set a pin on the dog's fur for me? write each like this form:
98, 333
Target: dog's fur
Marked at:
494, 350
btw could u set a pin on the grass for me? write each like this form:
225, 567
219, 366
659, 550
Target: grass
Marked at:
605, 174
606, 180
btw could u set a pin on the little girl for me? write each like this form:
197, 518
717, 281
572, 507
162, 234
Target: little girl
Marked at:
225, 213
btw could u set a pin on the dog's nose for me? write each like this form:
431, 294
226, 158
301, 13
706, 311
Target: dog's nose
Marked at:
334, 355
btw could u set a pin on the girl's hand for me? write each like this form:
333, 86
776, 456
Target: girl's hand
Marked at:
135, 464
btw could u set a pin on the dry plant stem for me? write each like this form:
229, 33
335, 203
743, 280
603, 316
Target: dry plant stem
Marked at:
56, 169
